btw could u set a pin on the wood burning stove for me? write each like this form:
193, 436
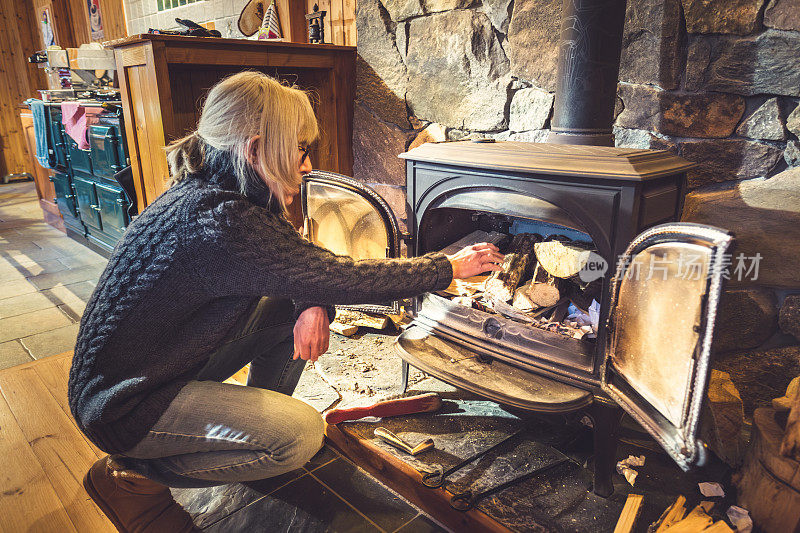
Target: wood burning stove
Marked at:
657, 298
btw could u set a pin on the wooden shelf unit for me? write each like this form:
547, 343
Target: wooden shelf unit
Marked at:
163, 79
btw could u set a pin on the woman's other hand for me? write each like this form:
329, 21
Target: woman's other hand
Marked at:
311, 334
476, 259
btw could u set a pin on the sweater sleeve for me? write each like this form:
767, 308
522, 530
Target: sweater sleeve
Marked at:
239, 248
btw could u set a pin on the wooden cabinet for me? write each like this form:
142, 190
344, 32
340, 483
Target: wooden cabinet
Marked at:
163, 79
41, 176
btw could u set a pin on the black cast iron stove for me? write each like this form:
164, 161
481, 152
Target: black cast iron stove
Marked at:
648, 352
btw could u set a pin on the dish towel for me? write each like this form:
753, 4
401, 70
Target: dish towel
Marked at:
76, 123
44, 155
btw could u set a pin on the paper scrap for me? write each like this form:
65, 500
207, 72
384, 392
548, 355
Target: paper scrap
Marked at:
740, 518
629, 473
624, 467
711, 489
633, 461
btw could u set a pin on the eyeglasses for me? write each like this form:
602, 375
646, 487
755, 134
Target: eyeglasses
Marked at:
305, 152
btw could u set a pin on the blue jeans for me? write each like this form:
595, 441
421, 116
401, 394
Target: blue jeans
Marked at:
214, 433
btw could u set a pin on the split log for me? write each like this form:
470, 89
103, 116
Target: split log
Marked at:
723, 419
696, 520
343, 329
718, 527
627, 519
563, 259
582, 295
673, 513
349, 317
522, 301
790, 445
518, 261
545, 289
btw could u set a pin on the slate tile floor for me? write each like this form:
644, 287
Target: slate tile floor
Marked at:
45, 281
329, 494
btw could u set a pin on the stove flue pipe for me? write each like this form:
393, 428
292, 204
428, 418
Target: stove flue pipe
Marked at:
588, 70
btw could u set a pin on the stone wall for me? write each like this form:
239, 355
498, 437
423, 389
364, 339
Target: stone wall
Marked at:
716, 81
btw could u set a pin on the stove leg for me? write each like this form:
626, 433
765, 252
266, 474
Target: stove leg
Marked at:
606, 418
404, 377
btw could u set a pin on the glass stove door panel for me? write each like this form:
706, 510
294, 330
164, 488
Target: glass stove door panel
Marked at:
663, 307
344, 222
349, 218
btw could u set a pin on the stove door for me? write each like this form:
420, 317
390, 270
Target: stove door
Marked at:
348, 218
663, 304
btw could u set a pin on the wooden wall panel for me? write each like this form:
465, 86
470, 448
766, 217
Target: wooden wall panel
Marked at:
20, 36
18, 81
113, 13
340, 21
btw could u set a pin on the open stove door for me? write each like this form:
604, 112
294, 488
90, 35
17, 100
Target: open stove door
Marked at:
664, 300
349, 218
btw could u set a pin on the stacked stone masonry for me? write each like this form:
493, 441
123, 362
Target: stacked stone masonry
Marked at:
715, 81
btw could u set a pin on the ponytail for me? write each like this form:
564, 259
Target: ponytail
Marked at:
185, 156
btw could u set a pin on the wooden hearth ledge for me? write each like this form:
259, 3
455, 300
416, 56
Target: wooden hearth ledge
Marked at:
406, 481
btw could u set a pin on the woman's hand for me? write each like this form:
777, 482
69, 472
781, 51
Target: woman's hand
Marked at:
311, 334
476, 259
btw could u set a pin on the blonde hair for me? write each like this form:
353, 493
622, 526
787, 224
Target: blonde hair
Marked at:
237, 109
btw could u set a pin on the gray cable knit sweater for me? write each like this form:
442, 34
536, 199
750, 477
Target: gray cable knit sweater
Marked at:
186, 269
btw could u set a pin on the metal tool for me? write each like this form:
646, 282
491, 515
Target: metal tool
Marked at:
390, 438
436, 479
464, 501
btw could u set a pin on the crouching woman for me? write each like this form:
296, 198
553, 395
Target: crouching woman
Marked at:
210, 277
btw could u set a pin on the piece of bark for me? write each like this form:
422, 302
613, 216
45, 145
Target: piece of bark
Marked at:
562, 259
518, 261
357, 318
545, 289
673, 513
630, 513
790, 445
343, 329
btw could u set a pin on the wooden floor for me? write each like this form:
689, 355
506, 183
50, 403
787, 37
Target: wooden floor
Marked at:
44, 455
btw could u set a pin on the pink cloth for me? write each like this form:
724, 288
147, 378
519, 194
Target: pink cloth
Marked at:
76, 123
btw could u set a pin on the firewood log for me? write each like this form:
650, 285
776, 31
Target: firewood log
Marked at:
545, 289
501, 285
582, 295
674, 513
522, 301
562, 259
349, 317
790, 445
696, 520
631, 511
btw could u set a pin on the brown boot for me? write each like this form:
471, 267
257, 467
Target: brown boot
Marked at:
133, 503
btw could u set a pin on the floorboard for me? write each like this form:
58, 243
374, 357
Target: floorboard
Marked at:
52, 437
28, 502
55, 377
